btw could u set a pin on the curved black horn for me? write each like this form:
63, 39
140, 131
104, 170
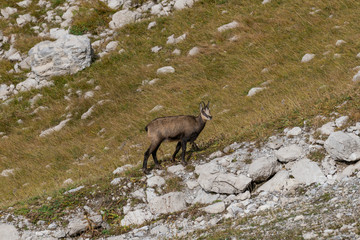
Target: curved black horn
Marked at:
207, 105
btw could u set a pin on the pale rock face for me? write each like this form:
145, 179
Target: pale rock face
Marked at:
215, 208
171, 202
54, 129
67, 55
8, 232
123, 17
263, 168
156, 9
136, 217
307, 57
306, 171
228, 26
279, 182
341, 145
204, 197
181, 4
289, 153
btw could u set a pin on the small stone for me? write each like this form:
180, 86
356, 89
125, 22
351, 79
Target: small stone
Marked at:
289, 153
165, 70
294, 132
228, 26
254, 91
339, 43
194, 51
307, 57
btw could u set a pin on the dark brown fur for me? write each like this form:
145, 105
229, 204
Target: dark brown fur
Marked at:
183, 129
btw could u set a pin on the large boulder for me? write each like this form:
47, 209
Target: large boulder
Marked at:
342, 145
171, 202
279, 182
306, 171
123, 17
8, 232
67, 55
263, 168
227, 183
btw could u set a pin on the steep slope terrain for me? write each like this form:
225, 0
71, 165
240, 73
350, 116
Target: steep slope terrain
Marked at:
76, 111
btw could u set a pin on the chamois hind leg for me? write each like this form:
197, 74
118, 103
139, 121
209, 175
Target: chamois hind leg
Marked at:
194, 146
157, 164
178, 146
183, 146
150, 150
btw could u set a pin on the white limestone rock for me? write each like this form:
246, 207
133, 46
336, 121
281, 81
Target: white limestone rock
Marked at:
194, 51
24, 4
327, 128
57, 33
181, 4
307, 57
279, 182
172, 40
263, 168
115, 4
165, 70
341, 145
111, 46
23, 19
176, 169
341, 121
7, 172
168, 203
67, 55
151, 25
156, 108
136, 217
294, 131
204, 197
306, 171
55, 128
6, 12
155, 181
339, 43
356, 77
8, 232
123, 17
254, 91
289, 153
228, 26
218, 207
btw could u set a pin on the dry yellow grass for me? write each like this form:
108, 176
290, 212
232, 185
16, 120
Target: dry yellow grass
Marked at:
275, 36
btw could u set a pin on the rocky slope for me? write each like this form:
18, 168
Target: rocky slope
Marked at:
297, 185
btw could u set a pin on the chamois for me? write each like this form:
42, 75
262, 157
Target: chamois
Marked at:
181, 128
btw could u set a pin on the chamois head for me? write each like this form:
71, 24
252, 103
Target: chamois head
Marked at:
205, 111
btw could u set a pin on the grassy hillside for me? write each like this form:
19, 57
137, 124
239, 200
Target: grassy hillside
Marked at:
273, 36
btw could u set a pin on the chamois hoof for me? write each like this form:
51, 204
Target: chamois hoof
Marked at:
146, 171
184, 163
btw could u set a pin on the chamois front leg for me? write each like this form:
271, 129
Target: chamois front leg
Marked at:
178, 146
194, 146
183, 146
